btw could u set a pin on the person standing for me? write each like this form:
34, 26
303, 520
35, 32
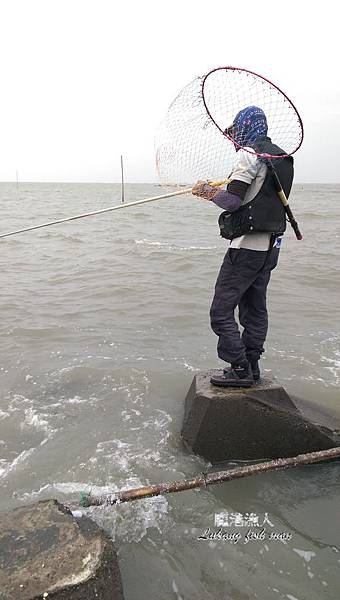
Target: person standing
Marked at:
254, 221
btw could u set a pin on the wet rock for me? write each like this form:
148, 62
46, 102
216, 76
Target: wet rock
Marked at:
45, 552
261, 422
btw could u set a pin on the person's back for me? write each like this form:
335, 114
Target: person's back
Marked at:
254, 220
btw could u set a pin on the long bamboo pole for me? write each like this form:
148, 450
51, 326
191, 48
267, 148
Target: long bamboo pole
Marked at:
110, 208
88, 499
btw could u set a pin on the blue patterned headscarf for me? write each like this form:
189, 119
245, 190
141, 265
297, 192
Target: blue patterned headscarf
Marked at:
249, 124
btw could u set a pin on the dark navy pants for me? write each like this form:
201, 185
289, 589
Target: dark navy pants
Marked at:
242, 282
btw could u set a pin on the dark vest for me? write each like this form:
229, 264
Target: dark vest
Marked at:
265, 212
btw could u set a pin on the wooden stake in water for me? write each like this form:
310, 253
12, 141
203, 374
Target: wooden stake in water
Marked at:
122, 172
203, 480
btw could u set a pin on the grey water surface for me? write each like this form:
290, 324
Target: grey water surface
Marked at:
104, 322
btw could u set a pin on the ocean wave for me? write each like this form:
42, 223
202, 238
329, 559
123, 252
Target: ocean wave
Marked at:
320, 364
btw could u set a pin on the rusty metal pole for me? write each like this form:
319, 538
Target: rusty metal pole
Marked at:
203, 480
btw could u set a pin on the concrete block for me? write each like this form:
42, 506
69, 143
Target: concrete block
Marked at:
261, 422
45, 552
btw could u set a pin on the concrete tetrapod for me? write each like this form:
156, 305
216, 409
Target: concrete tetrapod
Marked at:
261, 422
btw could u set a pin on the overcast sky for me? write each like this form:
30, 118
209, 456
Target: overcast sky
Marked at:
83, 81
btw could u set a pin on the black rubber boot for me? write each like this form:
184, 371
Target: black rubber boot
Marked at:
255, 369
238, 376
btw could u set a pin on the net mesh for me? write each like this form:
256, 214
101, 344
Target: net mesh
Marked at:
190, 144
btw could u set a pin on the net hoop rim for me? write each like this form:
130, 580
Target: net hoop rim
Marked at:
268, 156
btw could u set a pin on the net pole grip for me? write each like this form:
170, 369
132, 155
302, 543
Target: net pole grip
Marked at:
219, 183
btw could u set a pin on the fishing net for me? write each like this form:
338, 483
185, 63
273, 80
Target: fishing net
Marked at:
192, 142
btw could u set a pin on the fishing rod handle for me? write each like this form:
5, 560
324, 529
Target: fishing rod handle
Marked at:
293, 222
285, 204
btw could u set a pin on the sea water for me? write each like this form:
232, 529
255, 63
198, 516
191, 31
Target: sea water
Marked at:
104, 323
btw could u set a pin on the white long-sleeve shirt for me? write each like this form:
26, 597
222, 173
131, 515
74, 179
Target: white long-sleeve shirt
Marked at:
249, 169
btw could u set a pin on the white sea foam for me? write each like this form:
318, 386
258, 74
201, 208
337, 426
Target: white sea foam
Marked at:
67, 488
11, 466
34, 419
3, 414
131, 521
334, 367
175, 590
305, 554
172, 248
76, 400
190, 367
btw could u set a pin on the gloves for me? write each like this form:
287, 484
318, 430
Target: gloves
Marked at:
202, 189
